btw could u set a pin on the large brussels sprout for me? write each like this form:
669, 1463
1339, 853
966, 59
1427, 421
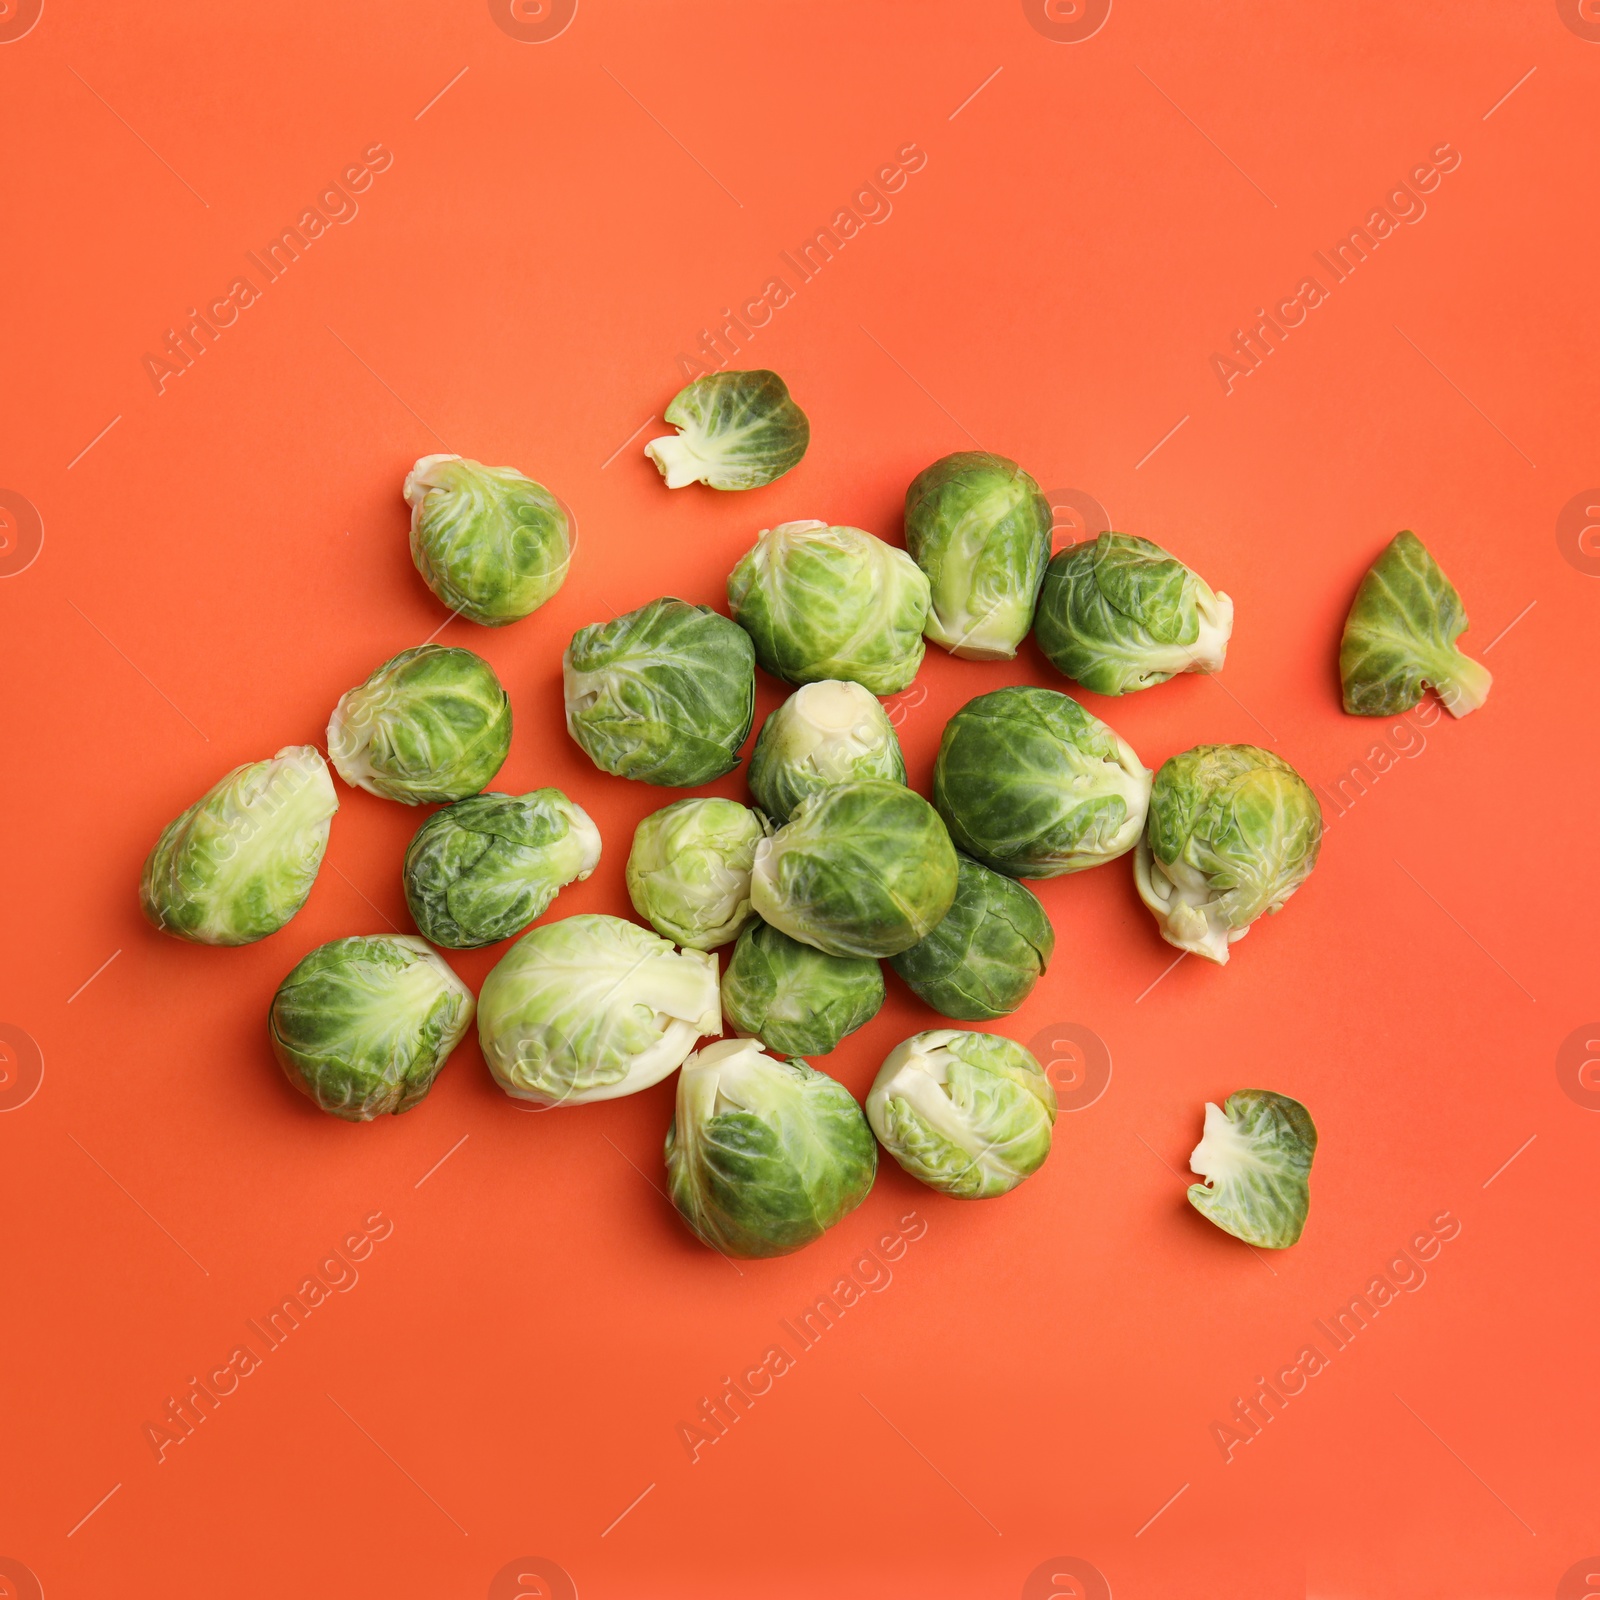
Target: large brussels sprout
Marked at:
1118, 613
482, 869
736, 430
689, 870
792, 997
1033, 786
492, 544
823, 602
970, 1114
665, 694
362, 1026
591, 1008
861, 869
1255, 1155
824, 733
1400, 638
763, 1156
978, 526
1233, 832
431, 724
241, 860
984, 958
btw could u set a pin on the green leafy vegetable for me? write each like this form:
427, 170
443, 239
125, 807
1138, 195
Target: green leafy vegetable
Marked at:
825, 733
689, 870
1255, 1156
792, 997
736, 430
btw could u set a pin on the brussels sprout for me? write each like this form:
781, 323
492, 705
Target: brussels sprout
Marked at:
984, 958
431, 724
978, 526
1119, 613
1400, 638
763, 1156
861, 869
591, 1008
241, 860
484, 868
492, 544
1234, 831
1033, 786
823, 602
792, 997
736, 430
824, 733
970, 1114
689, 870
1255, 1156
665, 694
363, 1025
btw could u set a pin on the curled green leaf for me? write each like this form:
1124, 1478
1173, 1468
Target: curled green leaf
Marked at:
1255, 1155
736, 430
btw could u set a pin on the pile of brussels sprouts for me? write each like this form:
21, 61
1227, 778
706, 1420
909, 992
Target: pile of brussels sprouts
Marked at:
837, 867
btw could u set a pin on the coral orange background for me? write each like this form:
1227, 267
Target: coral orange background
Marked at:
1094, 219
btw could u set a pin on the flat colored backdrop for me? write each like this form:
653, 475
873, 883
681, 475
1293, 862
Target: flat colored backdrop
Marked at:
1056, 225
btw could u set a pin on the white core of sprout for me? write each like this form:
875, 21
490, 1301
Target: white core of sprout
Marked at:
677, 460
1465, 687
831, 724
420, 480
586, 836
1188, 913
1133, 781
347, 748
1224, 1151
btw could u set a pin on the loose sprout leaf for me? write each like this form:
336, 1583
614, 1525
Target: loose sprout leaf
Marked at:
1233, 832
831, 602
1255, 1156
1400, 638
592, 1008
1033, 786
492, 544
977, 524
484, 868
969, 1114
240, 862
736, 430
1118, 613
362, 1026
665, 694
763, 1156
825, 733
689, 870
984, 957
795, 998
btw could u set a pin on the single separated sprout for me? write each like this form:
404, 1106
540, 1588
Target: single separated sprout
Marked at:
736, 430
970, 1114
484, 868
764, 1156
795, 999
433, 723
1400, 638
665, 694
492, 544
828, 732
1118, 613
242, 859
979, 527
1033, 786
823, 602
689, 870
984, 957
861, 869
362, 1026
1255, 1156
592, 1008
1233, 832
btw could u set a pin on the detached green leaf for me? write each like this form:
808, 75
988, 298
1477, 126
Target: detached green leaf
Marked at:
1255, 1156
1400, 638
736, 430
